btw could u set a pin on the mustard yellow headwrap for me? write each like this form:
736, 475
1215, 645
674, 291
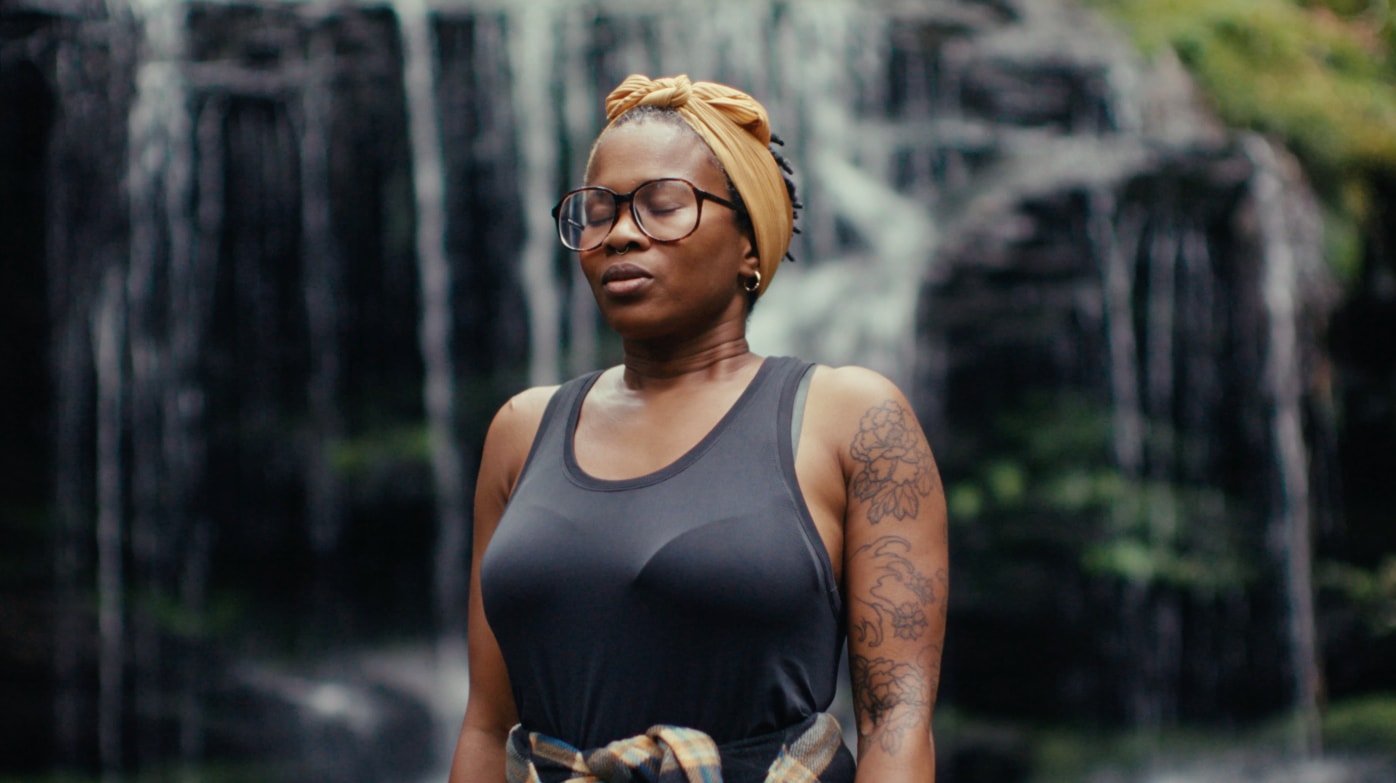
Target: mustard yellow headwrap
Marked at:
735, 126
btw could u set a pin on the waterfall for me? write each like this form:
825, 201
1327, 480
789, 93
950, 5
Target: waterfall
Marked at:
107, 334
190, 282
438, 387
69, 561
1117, 264
1162, 653
322, 281
86, 274
158, 182
313, 191
849, 156
1288, 231
579, 117
531, 60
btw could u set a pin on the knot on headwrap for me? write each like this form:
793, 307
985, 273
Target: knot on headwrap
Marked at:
675, 92
735, 126
668, 92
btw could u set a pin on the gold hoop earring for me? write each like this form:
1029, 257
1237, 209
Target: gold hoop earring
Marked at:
752, 285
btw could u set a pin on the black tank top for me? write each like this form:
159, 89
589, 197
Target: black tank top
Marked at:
700, 595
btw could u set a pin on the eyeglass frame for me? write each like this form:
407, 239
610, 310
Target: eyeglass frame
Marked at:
620, 198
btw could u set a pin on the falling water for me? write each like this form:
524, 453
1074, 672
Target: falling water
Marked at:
107, 333
1117, 245
579, 117
438, 387
1156, 706
1289, 232
86, 272
158, 186
323, 283
531, 59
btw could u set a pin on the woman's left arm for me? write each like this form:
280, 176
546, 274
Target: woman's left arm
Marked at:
896, 574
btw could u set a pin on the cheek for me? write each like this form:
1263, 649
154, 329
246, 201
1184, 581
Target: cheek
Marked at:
725, 249
590, 263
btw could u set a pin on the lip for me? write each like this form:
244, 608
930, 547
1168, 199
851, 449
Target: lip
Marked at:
624, 278
623, 271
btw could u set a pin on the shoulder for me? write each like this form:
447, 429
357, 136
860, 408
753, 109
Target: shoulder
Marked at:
842, 398
849, 405
851, 386
524, 411
512, 431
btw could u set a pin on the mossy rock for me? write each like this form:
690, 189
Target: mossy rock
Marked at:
1322, 81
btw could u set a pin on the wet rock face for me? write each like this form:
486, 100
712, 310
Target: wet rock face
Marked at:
1098, 334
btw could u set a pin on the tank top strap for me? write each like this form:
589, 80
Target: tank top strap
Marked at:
778, 395
552, 427
781, 393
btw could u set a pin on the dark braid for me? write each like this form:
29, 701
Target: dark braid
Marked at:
787, 173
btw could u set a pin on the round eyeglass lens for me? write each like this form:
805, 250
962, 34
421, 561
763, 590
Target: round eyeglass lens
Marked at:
585, 218
667, 209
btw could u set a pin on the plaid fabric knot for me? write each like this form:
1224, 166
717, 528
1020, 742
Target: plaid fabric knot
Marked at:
666, 754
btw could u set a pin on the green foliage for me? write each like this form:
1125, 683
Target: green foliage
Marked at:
1169, 533
357, 457
1066, 753
1323, 82
1144, 562
1371, 592
1342, 240
1365, 724
1050, 484
220, 617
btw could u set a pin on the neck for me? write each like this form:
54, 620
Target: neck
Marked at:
648, 365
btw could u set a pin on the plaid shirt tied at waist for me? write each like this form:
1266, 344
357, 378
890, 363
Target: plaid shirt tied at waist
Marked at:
668, 754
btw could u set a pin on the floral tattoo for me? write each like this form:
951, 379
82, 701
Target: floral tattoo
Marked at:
894, 599
899, 598
896, 470
890, 699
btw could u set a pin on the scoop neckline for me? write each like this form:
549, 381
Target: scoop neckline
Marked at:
580, 477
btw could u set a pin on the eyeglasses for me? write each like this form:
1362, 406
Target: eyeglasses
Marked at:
666, 210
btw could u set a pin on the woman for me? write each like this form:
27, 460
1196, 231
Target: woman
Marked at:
668, 552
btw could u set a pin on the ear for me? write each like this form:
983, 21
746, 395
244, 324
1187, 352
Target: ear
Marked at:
751, 262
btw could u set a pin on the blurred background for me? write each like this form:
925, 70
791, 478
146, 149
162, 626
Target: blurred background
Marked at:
267, 268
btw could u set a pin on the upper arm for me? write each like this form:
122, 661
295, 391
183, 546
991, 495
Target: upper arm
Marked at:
490, 710
896, 569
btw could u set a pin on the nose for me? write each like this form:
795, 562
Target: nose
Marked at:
626, 231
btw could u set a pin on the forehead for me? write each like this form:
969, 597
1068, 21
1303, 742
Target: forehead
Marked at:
638, 151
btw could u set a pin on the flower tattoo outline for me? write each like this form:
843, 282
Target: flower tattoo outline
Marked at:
896, 467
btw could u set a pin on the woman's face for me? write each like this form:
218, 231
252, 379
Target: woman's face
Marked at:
665, 289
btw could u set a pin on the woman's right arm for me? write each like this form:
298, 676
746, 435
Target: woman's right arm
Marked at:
489, 711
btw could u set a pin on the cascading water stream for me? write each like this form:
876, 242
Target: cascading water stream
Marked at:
1157, 704
438, 388
1116, 245
324, 291
531, 58
1286, 232
579, 116
108, 332
191, 268
158, 189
